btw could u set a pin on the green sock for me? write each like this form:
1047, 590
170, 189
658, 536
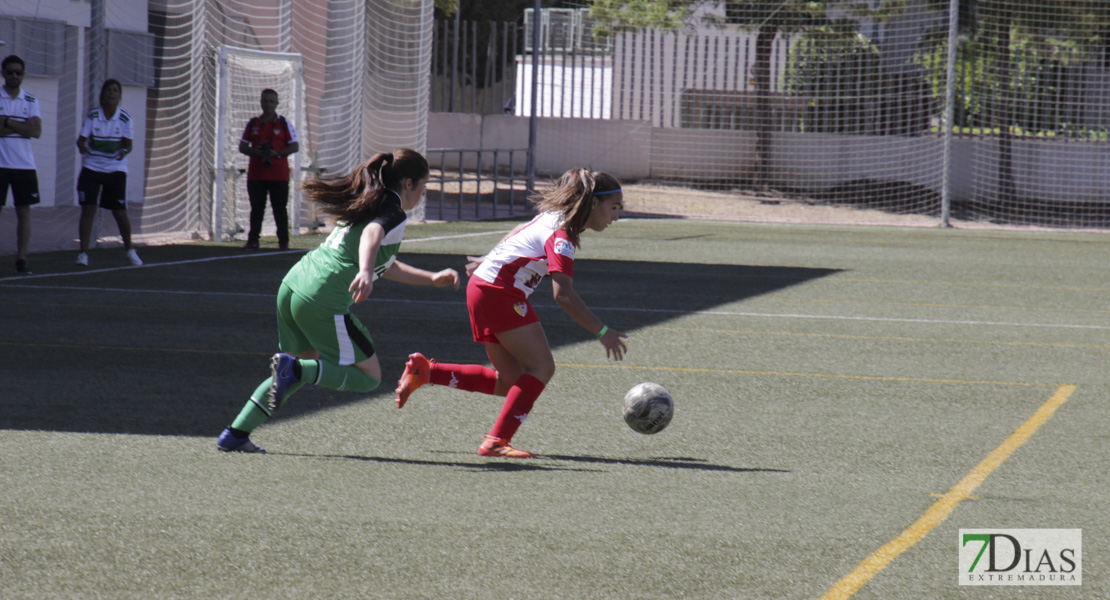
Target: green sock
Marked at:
308, 370
257, 410
336, 377
252, 414
345, 377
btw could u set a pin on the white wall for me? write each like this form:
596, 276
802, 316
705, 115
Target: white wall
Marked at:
134, 102
130, 15
619, 147
70, 11
633, 150
46, 156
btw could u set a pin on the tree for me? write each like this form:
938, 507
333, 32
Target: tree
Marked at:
614, 16
769, 18
994, 28
766, 18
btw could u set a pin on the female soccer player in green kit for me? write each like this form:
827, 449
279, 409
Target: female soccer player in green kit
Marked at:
320, 341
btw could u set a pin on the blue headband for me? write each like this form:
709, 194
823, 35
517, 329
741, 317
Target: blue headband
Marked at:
616, 191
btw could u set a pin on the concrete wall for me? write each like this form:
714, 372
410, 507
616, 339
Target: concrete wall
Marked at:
633, 150
618, 147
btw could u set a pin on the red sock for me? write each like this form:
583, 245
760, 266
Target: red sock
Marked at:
471, 378
518, 403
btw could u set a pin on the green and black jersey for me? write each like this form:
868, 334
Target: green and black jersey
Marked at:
323, 277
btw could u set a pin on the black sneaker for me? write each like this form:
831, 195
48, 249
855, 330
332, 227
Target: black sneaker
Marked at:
21, 267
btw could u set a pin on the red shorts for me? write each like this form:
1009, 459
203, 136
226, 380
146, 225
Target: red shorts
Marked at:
493, 310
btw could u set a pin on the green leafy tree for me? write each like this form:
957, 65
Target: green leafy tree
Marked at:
766, 18
994, 32
836, 70
615, 16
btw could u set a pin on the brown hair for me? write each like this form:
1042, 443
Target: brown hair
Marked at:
355, 197
572, 195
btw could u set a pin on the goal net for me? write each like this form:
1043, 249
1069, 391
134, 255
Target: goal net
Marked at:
334, 65
242, 75
396, 96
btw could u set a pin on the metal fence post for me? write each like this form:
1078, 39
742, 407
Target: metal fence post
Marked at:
533, 123
949, 109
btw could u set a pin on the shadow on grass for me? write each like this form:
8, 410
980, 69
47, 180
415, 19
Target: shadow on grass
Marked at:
540, 464
668, 462
177, 349
501, 465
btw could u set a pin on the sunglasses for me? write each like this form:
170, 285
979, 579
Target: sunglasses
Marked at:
13, 73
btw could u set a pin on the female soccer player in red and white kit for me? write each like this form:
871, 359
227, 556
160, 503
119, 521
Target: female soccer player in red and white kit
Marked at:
501, 316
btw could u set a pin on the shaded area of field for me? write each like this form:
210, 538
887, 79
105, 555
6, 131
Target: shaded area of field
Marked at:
171, 350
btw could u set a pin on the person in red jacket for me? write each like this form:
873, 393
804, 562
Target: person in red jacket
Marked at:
269, 139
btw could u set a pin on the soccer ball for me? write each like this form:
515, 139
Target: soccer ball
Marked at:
648, 408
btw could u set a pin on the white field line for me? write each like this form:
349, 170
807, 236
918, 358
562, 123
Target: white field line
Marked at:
14, 283
621, 309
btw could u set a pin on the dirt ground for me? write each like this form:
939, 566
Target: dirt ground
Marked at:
665, 200
648, 199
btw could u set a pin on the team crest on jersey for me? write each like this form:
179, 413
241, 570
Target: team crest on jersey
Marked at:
564, 247
521, 308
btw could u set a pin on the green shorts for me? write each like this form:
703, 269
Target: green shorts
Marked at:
340, 339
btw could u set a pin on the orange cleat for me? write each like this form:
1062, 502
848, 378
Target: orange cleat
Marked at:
499, 448
417, 372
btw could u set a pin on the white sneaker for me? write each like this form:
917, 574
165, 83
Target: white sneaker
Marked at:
82, 259
134, 257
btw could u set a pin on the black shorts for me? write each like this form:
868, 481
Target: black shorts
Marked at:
110, 189
24, 184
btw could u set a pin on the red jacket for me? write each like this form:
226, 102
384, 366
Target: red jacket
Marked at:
279, 133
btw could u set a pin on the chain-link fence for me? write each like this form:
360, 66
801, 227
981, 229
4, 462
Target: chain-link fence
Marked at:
812, 103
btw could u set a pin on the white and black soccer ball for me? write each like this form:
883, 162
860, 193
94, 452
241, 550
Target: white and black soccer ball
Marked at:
648, 408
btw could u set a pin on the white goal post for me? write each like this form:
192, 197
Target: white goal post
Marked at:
242, 75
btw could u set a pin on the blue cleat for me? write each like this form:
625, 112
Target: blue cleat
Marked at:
281, 369
229, 443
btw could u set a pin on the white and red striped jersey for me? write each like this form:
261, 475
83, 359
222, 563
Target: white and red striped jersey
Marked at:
521, 260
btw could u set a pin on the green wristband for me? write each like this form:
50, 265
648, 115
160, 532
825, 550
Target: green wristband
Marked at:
604, 329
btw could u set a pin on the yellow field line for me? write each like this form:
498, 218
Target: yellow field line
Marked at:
939, 511
880, 338
1014, 286
934, 305
791, 374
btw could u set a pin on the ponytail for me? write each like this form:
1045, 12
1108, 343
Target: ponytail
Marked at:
373, 170
572, 195
355, 197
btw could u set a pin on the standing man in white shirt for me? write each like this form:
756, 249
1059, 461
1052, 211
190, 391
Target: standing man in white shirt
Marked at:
20, 122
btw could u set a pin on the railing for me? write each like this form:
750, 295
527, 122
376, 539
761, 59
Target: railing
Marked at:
474, 66
476, 183
486, 67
